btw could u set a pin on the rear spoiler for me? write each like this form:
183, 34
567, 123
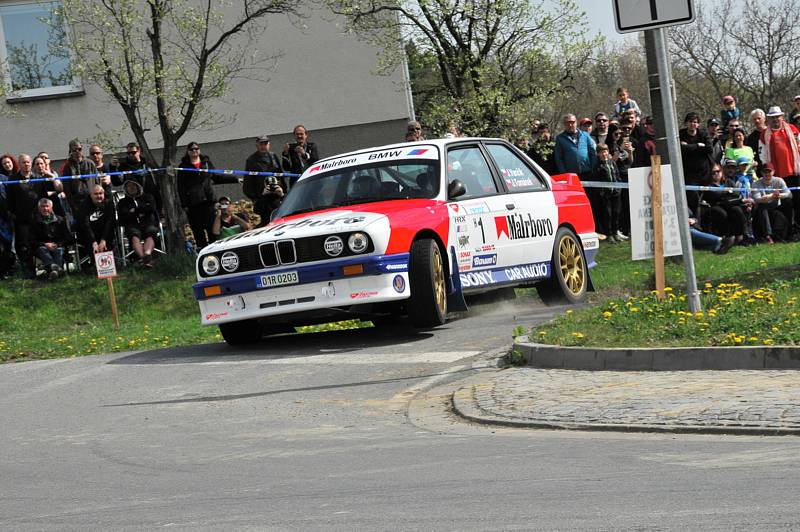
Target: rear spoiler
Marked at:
566, 182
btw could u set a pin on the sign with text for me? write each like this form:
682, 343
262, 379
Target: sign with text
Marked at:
106, 267
640, 182
639, 15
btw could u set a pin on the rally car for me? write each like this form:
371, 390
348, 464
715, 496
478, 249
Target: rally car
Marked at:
403, 229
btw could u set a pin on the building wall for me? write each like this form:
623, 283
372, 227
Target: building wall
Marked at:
323, 80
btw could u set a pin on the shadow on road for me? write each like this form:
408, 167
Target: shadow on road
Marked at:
283, 346
234, 397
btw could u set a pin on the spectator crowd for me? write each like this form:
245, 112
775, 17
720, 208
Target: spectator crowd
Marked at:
748, 172
86, 205
49, 219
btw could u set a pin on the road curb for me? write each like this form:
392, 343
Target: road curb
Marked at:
658, 359
464, 405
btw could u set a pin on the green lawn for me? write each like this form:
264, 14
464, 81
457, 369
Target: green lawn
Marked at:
749, 297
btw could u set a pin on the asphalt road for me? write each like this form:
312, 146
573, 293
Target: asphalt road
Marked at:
349, 431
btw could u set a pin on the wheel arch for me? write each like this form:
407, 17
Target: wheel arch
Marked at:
433, 235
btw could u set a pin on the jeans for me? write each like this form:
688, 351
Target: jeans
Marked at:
702, 240
50, 257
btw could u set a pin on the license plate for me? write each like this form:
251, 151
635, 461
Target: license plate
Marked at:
277, 279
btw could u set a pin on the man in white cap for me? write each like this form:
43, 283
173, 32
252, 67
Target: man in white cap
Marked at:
778, 146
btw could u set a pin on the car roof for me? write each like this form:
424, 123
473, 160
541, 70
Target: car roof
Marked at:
435, 142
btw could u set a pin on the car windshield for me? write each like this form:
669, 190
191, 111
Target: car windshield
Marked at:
387, 180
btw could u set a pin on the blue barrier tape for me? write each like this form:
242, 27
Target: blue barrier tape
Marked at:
238, 172
623, 185
73, 177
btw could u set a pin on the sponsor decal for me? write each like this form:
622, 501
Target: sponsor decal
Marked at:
486, 247
363, 294
462, 228
460, 219
385, 155
481, 261
516, 226
215, 316
332, 164
334, 246
311, 222
590, 243
453, 207
477, 209
418, 151
399, 284
463, 241
396, 267
329, 290
230, 261
512, 172
524, 272
464, 254
520, 182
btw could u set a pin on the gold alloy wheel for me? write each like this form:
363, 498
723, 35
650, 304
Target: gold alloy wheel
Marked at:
438, 281
573, 268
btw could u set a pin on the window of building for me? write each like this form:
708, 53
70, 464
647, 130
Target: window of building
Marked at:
34, 48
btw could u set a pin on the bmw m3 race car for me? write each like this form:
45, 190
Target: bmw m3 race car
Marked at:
403, 229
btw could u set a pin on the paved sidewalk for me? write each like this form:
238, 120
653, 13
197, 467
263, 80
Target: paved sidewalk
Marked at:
741, 401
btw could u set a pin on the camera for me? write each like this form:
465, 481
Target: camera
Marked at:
224, 207
272, 181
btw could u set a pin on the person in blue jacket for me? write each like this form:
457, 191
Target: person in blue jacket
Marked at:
575, 151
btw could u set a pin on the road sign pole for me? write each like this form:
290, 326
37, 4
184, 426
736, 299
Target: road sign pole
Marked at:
674, 149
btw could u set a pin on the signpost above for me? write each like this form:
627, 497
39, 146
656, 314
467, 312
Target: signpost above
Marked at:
639, 15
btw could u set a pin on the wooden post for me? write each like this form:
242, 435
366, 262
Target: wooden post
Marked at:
113, 299
658, 226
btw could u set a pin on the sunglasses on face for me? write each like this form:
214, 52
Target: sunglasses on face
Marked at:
134, 152
96, 153
194, 149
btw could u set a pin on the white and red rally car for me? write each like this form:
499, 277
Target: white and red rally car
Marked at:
409, 228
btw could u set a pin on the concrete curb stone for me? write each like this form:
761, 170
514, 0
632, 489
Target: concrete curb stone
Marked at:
657, 359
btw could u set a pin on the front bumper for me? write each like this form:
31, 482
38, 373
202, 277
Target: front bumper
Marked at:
320, 286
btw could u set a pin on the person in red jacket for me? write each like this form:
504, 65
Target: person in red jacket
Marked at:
778, 145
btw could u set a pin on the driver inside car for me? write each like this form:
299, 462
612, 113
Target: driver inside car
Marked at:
365, 186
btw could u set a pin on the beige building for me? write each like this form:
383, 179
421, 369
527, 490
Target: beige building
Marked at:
323, 79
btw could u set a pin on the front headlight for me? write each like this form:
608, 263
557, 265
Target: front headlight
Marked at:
358, 242
210, 264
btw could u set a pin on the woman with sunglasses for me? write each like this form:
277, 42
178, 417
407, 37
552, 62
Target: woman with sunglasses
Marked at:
196, 194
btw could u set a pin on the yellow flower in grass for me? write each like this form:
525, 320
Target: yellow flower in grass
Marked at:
753, 339
768, 341
578, 335
542, 333
607, 314
738, 339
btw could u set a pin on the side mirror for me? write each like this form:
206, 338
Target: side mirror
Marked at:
455, 189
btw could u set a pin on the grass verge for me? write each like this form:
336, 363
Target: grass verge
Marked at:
749, 297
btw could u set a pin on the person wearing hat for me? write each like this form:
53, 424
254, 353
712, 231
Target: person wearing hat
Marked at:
715, 139
266, 192
77, 190
137, 213
226, 222
729, 110
586, 125
778, 145
773, 206
726, 208
197, 195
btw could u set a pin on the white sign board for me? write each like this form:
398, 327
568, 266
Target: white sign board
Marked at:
639, 15
640, 191
106, 268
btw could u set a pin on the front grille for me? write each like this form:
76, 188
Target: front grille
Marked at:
286, 252
269, 256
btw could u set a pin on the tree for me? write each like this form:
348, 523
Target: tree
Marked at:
164, 62
496, 61
747, 50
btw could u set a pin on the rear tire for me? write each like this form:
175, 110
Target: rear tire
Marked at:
428, 303
241, 332
569, 279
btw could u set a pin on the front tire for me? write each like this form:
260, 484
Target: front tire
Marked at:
428, 303
241, 332
569, 279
